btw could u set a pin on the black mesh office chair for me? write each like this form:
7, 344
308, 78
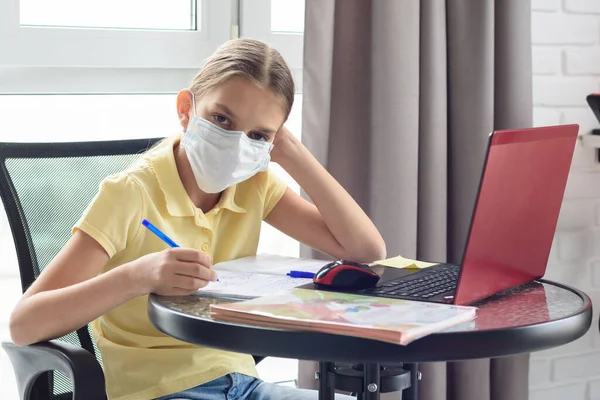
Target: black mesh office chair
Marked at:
45, 187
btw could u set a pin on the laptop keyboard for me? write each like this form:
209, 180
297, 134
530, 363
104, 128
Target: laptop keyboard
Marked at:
425, 284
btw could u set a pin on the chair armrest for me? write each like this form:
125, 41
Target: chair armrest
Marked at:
81, 367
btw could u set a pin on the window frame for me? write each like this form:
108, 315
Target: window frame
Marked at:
255, 22
38, 59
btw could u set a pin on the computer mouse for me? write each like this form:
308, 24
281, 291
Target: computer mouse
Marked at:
342, 274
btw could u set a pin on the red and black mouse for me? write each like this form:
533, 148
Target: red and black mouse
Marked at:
342, 274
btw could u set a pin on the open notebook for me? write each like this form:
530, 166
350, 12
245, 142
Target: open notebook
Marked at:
248, 285
389, 320
255, 276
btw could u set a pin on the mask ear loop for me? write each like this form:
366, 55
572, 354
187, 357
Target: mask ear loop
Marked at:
193, 111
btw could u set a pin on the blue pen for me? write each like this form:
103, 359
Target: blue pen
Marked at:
300, 274
160, 235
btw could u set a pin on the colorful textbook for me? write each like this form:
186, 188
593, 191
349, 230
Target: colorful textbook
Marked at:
389, 320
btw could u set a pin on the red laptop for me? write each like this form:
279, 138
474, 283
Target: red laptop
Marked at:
513, 222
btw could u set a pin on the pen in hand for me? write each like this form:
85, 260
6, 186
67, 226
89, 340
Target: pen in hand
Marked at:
160, 235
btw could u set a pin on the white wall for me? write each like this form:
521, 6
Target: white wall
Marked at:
566, 68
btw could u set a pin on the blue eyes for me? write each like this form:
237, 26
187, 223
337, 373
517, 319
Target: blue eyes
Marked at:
222, 120
258, 136
226, 123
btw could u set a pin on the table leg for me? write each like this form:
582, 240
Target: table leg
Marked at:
412, 393
372, 384
326, 388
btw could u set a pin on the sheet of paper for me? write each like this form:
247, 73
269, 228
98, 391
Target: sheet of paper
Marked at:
250, 285
271, 264
401, 262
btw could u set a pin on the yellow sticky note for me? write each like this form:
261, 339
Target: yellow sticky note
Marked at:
401, 262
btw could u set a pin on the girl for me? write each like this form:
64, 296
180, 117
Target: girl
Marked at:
209, 189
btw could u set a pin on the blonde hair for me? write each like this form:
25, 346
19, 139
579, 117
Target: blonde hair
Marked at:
248, 58
251, 59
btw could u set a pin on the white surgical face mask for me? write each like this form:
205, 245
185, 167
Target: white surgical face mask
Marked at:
222, 158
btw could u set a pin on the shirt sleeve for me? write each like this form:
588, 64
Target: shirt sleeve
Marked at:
275, 188
114, 215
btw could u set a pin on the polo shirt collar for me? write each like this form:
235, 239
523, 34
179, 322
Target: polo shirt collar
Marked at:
178, 202
227, 200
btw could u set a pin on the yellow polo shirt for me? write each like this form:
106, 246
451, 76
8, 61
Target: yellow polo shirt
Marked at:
139, 361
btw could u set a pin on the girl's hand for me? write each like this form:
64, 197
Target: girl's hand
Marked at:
173, 272
282, 144
334, 223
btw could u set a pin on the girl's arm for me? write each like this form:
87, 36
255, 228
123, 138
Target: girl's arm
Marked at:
70, 294
335, 224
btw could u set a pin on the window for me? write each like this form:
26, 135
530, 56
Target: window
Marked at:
64, 118
279, 23
135, 14
82, 56
287, 16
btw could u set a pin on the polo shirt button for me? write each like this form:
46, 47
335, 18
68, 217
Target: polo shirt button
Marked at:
205, 247
204, 229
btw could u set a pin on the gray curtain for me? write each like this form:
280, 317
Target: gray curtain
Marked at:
399, 98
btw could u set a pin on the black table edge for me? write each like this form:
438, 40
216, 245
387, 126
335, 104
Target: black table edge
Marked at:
446, 346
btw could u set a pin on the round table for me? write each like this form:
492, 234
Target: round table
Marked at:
532, 317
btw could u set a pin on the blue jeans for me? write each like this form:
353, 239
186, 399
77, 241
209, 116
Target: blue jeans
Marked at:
242, 387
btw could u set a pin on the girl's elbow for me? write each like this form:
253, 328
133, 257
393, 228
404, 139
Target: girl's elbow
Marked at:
20, 341
377, 251
18, 334
369, 252
23, 331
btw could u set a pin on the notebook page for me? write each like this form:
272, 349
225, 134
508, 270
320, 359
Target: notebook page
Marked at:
270, 264
250, 285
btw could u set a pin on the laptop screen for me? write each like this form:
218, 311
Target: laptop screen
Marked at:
515, 216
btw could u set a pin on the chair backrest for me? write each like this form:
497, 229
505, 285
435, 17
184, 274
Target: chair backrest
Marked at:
45, 187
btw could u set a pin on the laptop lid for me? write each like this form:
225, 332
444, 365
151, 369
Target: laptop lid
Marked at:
516, 211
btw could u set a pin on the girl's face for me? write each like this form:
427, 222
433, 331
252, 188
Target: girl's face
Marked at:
239, 105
